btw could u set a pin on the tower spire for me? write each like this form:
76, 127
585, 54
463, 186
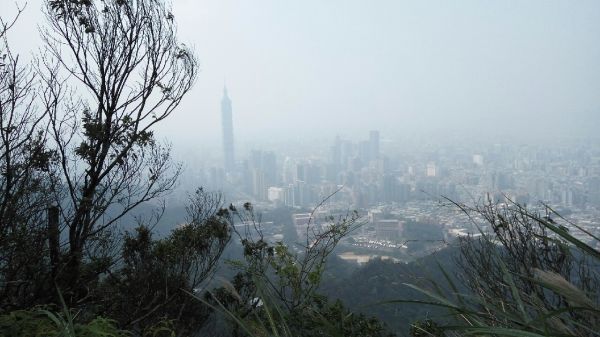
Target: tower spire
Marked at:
227, 125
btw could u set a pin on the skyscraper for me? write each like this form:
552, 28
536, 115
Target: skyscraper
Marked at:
227, 123
374, 145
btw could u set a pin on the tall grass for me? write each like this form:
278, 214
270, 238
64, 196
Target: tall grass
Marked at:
45, 322
524, 310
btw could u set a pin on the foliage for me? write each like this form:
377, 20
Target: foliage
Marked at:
293, 277
426, 328
335, 319
275, 291
531, 276
151, 282
42, 323
370, 288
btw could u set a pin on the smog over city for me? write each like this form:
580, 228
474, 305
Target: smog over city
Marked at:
344, 167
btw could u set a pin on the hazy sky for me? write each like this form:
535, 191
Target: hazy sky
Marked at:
297, 69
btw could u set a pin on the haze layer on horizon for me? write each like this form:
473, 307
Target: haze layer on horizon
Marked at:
317, 68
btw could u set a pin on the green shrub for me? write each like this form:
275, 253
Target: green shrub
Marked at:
39, 322
529, 275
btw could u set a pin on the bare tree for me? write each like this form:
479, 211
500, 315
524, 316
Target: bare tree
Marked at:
25, 163
111, 71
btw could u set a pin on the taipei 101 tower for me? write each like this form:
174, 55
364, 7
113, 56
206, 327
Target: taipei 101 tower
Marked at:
227, 122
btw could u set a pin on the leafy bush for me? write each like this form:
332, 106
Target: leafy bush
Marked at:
275, 292
40, 322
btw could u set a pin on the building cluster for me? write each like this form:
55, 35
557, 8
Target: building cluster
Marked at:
399, 186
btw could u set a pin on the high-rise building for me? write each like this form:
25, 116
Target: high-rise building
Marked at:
276, 194
374, 144
388, 229
431, 170
368, 150
259, 189
227, 123
364, 152
266, 162
335, 163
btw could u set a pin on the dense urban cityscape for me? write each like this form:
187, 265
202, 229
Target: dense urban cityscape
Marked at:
404, 193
